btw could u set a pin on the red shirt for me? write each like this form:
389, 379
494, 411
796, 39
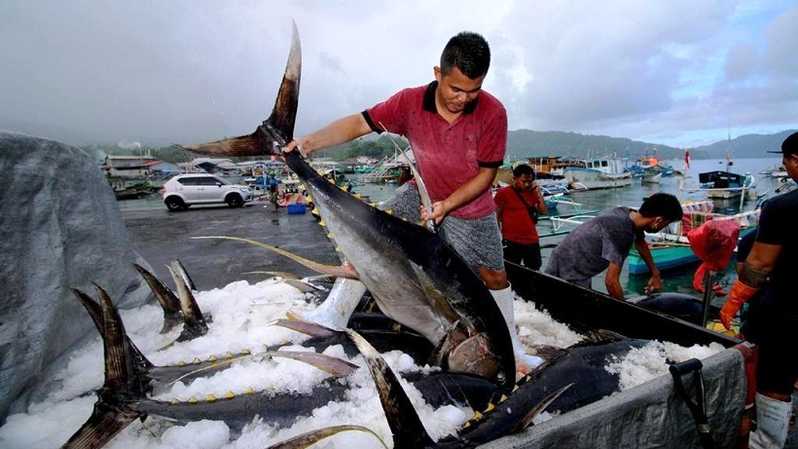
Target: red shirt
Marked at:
447, 155
517, 226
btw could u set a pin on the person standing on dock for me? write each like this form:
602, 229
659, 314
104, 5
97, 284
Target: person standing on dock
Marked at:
517, 208
458, 133
604, 242
773, 316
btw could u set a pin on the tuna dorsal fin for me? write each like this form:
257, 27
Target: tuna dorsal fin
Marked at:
165, 296
308, 439
330, 270
194, 323
276, 131
600, 336
406, 426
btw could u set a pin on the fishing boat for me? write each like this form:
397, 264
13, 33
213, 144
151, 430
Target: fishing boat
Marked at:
671, 249
724, 185
602, 173
651, 177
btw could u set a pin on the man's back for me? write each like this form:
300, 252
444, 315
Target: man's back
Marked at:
589, 249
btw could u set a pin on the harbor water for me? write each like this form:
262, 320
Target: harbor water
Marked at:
594, 200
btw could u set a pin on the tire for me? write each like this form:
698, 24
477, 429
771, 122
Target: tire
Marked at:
234, 200
174, 204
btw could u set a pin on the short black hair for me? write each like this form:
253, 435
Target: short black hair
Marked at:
523, 169
467, 51
790, 144
662, 205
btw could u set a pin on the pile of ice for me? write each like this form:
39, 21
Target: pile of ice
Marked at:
643, 364
242, 314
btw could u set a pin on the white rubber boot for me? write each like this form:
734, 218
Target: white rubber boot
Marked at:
336, 310
772, 423
504, 299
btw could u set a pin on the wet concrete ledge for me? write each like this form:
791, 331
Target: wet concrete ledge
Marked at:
161, 236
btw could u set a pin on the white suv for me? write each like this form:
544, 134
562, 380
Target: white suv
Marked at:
182, 191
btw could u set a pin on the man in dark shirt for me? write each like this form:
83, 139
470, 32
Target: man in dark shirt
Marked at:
773, 317
604, 242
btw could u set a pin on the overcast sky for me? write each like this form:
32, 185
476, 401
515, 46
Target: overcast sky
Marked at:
675, 72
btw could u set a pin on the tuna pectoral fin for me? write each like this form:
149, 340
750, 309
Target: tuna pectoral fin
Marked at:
310, 438
343, 271
166, 298
194, 324
330, 365
406, 426
526, 421
105, 422
306, 327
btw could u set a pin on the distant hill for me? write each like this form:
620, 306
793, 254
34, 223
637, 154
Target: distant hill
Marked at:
523, 143
746, 146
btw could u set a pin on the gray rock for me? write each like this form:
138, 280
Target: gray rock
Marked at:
61, 228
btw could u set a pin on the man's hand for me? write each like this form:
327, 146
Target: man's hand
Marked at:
654, 284
297, 144
438, 213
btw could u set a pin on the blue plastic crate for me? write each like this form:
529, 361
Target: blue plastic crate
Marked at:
296, 209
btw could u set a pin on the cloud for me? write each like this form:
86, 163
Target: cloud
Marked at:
161, 72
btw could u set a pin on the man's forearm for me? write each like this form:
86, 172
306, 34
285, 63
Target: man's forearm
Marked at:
645, 254
472, 189
614, 288
337, 132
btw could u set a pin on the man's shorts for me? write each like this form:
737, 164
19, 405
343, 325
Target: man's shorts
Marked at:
477, 240
774, 334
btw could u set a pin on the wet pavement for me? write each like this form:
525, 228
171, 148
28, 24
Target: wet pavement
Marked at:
161, 236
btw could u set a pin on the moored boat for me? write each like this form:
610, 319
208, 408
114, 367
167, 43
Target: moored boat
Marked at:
602, 173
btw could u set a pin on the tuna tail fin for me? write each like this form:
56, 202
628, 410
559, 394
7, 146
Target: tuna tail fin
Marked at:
166, 298
142, 365
308, 439
182, 270
122, 385
276, 131
406, 426
194, 324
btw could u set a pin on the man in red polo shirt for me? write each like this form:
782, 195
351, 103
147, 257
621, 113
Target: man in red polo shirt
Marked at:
517, 208
459, 136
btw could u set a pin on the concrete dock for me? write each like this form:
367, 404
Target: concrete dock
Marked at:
161, 236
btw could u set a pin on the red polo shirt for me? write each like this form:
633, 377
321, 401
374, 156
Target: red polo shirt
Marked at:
517, 226
447, 155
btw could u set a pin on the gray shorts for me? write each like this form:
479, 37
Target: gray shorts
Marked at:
477, 240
